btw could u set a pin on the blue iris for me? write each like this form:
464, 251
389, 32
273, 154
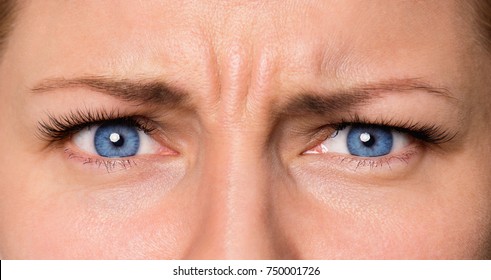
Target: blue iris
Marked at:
116, 140
369, 141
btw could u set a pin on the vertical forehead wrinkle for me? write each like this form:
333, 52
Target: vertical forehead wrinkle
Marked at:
148, 92
244, 43
260, 36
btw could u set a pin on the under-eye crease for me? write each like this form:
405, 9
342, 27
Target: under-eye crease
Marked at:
110, 164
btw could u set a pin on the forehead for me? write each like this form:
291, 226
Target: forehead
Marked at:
337, 39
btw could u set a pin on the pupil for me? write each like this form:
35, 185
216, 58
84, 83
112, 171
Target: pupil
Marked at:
367, 139
116, 139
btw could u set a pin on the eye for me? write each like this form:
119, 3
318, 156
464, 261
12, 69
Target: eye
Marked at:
363, 141
115, 139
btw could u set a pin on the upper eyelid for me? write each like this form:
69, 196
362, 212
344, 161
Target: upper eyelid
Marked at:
57, 128
430, 134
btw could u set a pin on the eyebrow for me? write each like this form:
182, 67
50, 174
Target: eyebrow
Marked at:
147, 91
311, 102
138, 91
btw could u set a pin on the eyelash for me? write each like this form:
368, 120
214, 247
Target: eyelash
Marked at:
60, 128
57, 129
427, 133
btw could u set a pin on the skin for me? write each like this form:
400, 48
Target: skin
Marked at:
230, 179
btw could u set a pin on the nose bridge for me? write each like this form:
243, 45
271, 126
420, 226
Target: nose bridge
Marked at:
235, 176
237, 186
248, 197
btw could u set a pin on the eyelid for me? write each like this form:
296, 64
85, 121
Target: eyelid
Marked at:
426, 132
58, 133
61, 127
424, 136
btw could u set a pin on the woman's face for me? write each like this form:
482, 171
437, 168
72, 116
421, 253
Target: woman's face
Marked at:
245, 129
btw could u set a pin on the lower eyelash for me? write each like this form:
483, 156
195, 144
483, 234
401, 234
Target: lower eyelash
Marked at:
376, 162
110, 164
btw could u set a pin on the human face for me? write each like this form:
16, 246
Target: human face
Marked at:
241, 102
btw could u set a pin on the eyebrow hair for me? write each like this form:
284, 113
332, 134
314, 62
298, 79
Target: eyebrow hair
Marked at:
311, 102
308, 102
138, 91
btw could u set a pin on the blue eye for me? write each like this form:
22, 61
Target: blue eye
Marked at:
369, 141
363, 140
114, 139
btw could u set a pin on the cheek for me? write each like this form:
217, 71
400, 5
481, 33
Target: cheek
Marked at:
384, 230
433, 218
102, 224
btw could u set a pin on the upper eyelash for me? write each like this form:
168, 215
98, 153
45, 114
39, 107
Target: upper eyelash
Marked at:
429, 133
61, 127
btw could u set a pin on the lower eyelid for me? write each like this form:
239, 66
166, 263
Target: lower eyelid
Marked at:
391, 165
109, 164
93, 163
75, 153
370, 165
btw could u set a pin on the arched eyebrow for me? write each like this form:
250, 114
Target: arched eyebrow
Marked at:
143, 91
315, 102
